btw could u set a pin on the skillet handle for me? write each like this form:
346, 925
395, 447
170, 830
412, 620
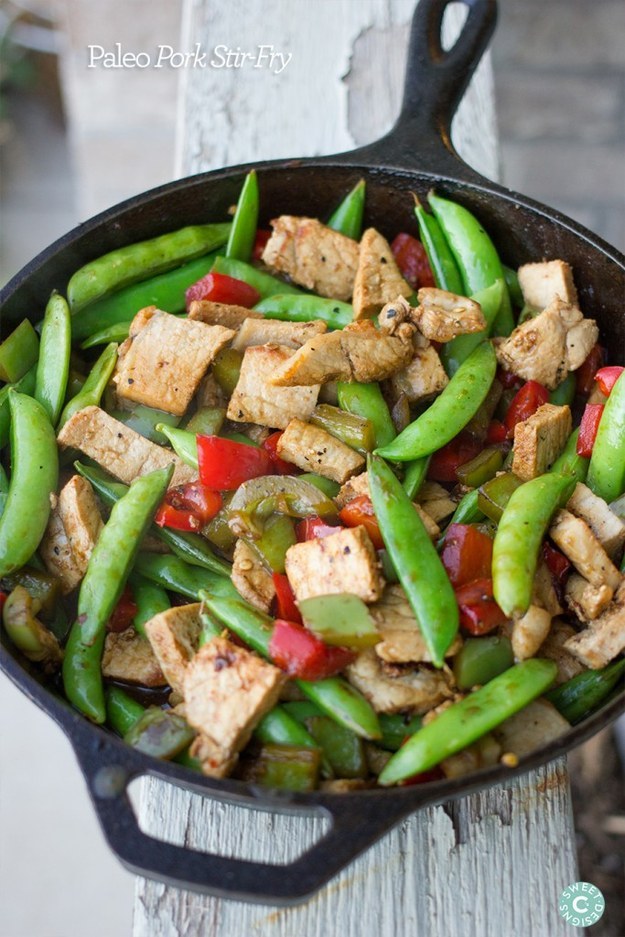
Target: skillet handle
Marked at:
108, 769
434, 86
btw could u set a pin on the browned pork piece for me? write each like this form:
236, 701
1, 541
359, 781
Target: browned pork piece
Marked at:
604, 523
394, 688
118, 449
227, 690
553, 648
129, 656
256, 399
577, 541
441, 315
542, 283
535, 725
378, 279
353, 488
602, 641
313, 255
73, 529
539, 440
250, 578
275, 332
584, 599
424, 377
359, 352
174, 635
547, 347
401, 639
163, 362
315, 450
225, 314
531, 629
345, 561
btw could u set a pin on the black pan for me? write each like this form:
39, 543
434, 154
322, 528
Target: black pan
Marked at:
416, 155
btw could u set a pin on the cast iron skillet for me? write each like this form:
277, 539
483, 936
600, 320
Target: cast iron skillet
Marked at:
416, 155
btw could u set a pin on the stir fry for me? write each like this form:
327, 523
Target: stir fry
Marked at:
307, 508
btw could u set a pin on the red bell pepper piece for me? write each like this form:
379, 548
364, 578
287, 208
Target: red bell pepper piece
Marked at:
559, 567
188, 507
260, 242
301, 654
496, 432
280, 466
434, 774
123, 613
286, 606
314, 528
479, 613
467, 554
3, 597
219, 288
359, 512
446, 461
412, 261
224, 464
525, 403
606, 378
591, 418
585, 374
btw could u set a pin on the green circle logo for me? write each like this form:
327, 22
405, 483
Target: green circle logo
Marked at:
581, 904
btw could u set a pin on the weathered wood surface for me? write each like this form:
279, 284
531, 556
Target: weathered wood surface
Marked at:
491, 865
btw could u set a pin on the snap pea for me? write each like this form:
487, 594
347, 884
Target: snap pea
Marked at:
467, 511
333, 695
456, 351
25, 385
189, 547
450, 412
355, 431
564, 392
149, 598
474, 252
93, 388
34, 476
127, 265
206, 421
414, 476
245, 221
606, 471
182, 442
165, 291
303, 308
418, 565
521, 529
512, 282
122, 711
281, 728
366, 401
175, 575
18, 352
584, 692
4, 489
444, 267
103, 583
465, 722
569, 462
54, 354
347, 217
112, 333
262, 282
145, 421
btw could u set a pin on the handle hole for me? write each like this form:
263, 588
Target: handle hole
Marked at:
454, 19
173, 815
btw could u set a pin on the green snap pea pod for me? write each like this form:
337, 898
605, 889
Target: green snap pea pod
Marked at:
456, 351
107, 572
512, 282
366, 401
4, 489
564, 392
474, 252
122, 711
149, 598
418, 565
54, 354
262, 282
444, 267
569, 462
189, 547
606, 472
521, 529
466, 721
18, 352
240, 437
414, 476
355, 431
145, 421
245, 221
166, 292
210, 627
450, 412
281, 728
112, 333
94, 386
334, 696
25, 385
175, 575
347, 217
182, 442
127, 265
584, 692
34, 476
303, 308
207, 421
467, 511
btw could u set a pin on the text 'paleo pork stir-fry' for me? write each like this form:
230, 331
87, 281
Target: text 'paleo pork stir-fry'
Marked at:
317, 516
